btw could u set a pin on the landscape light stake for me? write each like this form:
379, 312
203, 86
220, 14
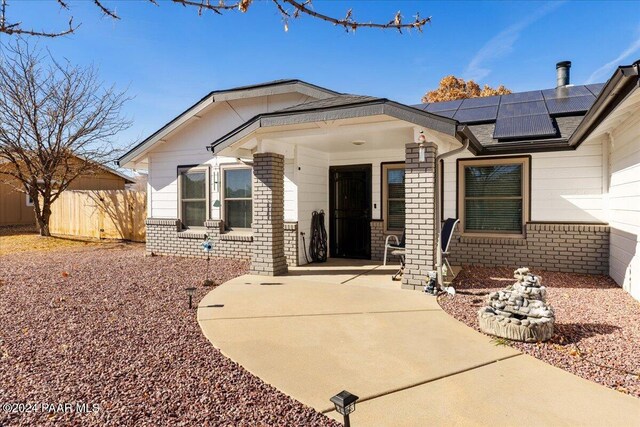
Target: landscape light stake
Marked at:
190, 292
345, 404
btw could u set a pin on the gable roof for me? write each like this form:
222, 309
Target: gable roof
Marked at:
274, 87
343, 107
542, 120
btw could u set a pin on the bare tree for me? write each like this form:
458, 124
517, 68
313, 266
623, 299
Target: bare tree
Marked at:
56, 124
288, 9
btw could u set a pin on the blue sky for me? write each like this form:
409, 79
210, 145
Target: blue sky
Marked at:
168, 56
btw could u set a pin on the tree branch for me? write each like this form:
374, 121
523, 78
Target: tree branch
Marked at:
348, 22
15, 28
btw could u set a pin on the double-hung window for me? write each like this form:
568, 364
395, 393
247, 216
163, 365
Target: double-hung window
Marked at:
393, 197
493, 196
237, 197
193, 194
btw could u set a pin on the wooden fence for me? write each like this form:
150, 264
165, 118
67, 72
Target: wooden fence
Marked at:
101, 214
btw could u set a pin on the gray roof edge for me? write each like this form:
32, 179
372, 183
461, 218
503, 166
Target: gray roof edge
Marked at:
379, 106
624, 80
276, 88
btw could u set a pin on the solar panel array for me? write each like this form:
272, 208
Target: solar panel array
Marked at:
520, 115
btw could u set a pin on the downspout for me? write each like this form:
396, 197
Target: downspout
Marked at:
465, 145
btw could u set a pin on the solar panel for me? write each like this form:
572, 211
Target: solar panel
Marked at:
595, 88
443, 106
522, 109
420, 106
533, 95
485, 101
575, 104
539, 125
566, 92
475, 115
448, 113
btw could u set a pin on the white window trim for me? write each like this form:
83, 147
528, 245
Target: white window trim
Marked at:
198, 168
28, 200
223, 198
526, 195
385, 198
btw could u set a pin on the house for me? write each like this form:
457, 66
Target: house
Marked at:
17, 207
548, 178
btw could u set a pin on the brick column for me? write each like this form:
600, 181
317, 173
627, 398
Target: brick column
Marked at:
268, 215
419, 215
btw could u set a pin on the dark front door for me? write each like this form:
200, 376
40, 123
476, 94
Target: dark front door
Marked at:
350, 211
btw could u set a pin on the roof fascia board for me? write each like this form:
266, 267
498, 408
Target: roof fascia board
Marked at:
312, 116
624, 81
178, 121
525, 147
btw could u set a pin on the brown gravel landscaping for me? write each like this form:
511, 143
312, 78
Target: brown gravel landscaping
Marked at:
597, 330
105, 325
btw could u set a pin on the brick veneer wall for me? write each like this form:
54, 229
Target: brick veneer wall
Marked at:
291, 243
571, 248
419, 214
378, 237
165, 237
268, 256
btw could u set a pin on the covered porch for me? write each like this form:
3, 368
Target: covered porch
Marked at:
370, 168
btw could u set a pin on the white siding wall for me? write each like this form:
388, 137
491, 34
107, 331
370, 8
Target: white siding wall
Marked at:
187, 146
624, 206
565, 185
313, 192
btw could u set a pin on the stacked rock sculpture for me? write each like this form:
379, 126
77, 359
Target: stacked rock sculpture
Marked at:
519, 312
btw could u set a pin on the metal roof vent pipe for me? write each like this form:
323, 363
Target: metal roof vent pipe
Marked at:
563, 74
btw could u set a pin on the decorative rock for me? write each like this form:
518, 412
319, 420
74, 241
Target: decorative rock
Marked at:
519, 312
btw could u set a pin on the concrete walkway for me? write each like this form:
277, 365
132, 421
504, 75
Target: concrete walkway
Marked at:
326, 328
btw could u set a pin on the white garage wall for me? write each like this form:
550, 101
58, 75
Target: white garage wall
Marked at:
565, 185
624, 205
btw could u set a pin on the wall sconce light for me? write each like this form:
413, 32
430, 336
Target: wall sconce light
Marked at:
190, 293
216, 179
345, 404
421, 151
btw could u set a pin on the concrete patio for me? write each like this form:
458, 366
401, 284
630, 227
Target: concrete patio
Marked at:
346, 325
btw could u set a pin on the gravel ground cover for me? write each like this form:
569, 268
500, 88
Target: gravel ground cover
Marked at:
597, 330
106, 326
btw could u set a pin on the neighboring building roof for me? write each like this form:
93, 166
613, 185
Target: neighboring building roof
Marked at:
274, 87
128, 179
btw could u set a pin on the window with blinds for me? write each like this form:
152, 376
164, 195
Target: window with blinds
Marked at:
393, 193
493, 196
